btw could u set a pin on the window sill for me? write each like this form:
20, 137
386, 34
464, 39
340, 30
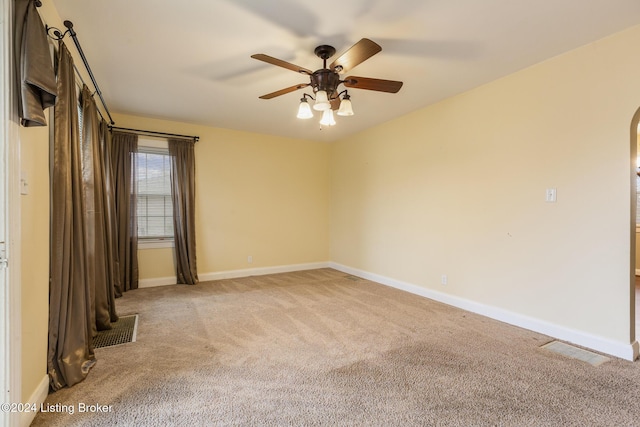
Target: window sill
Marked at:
155, 243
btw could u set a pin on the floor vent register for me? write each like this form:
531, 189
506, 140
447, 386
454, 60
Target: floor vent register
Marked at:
123, 331
576, 353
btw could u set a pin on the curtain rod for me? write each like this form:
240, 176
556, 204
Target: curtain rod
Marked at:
154, 133
60, 36
69, 25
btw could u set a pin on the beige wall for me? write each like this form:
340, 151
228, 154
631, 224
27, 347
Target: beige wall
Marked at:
256, 195
34, 217
458, 188
156, 263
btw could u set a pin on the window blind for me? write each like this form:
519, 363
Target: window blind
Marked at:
154, 206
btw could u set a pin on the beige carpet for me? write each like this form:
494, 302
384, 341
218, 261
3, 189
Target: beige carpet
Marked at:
318, 348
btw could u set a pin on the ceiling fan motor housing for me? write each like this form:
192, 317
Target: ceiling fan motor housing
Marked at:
326, 80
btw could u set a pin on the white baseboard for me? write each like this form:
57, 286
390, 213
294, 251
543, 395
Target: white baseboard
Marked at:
38, 397
232, 274
618, 349
259, 271
157, 281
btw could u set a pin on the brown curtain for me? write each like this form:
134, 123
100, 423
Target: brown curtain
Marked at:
70, 354
123, 148
183, 189
110, 225
34, 70
99, 264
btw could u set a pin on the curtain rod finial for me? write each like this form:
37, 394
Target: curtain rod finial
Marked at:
38, 3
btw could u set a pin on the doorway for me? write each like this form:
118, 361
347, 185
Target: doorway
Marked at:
635, 232
10, 318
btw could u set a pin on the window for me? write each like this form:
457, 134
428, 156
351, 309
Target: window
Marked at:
154, 207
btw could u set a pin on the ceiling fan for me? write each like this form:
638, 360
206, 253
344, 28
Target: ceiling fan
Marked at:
325, 81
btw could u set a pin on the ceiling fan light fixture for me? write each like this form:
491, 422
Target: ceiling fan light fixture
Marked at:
304, 110
325, 82
346, 109
322, 101
327, 118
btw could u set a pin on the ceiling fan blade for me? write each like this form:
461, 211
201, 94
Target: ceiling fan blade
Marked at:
283, 91
357, 54
380, 85
280, 63
335, 103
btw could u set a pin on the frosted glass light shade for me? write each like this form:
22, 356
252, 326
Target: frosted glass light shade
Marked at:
345, 108
322, 101
327, 118
304, 110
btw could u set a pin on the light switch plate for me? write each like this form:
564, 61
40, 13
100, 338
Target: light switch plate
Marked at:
24, 184
551, 195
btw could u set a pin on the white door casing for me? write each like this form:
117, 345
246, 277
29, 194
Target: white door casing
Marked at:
10, 302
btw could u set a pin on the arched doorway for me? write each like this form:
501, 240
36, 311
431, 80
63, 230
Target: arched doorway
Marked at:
635, 228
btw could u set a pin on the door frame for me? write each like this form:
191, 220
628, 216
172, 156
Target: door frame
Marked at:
635, 121
10, 298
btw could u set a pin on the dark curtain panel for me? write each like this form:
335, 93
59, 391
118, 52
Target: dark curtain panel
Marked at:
99, 265
34, 69
70, 354
123, 148
183, 194
111, 238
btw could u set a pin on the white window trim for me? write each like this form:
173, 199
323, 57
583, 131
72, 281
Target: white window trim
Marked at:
150, 243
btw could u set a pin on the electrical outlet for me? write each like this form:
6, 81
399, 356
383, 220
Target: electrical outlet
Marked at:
250, 259
444, 279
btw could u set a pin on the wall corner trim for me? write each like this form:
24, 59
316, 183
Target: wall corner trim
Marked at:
627, 351
37, 398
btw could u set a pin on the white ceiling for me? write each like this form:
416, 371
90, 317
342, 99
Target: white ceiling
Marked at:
190, 60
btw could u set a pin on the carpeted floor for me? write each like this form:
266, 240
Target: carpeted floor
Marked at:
318, 348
